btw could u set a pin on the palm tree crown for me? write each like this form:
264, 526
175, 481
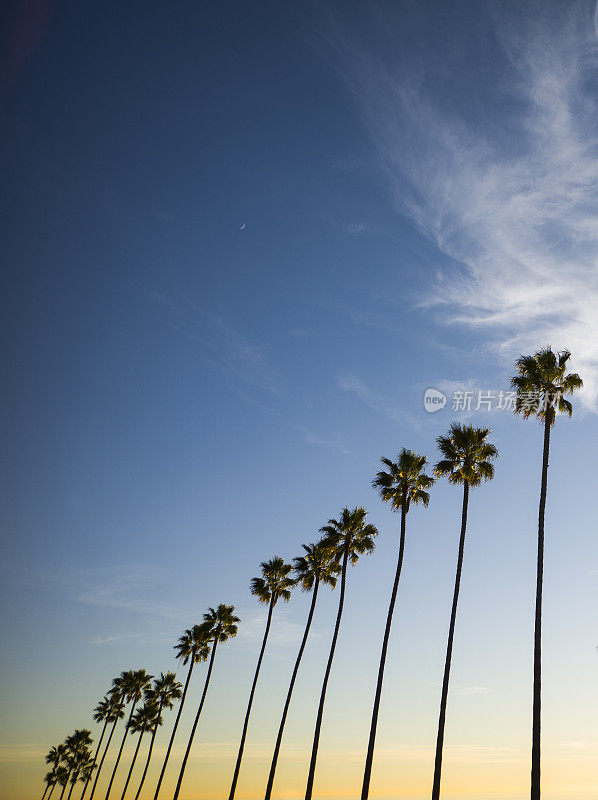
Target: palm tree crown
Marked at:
467, 455
541, 383
350, 533
165, 689
220, 624
317, 564
274, 583
144, 719
405, 480
193, 645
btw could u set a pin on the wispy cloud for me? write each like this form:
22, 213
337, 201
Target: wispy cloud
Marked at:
386, 406
222, 344
514, 203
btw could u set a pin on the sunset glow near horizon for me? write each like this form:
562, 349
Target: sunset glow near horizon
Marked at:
242, 242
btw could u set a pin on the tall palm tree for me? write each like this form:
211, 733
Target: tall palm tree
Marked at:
62, 777
467, 461
316, 566
132, 687
219, 625
274, 584
77, 744
348, 538
143, 721
56, 756
403, 485
541, 384
164, 690
82, 767
50, 781
192, 648
101, 713
117, 711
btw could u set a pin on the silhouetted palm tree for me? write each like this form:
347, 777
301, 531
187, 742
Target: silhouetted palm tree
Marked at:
467, 461
144, 720
117, 711
62, 778
78, 756
274, 584
541, 384
218, 626
192, 648
312, 569
50, 781
132, 686
349, 538
405, 484
82, 768
101, 713
165, 689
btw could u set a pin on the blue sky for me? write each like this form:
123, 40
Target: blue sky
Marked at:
242, 240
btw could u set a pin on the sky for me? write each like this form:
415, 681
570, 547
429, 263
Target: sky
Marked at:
241, 240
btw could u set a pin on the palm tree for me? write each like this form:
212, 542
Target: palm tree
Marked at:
117, 711
101, 713
62, 778
348, 538
405, 484
191, 648
541, 384
218, 626
312, 569
165, 689
274, 584
82, 767
56, 756
131, 688
146, 719
467, 461
77, 755
50, 781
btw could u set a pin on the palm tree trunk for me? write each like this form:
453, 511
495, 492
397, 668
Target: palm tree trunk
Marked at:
95, 758
316, 742
365, 789
95, 783
122, 797
64, 787
290, 692
68, 797
45, 790
120, 750
246, 723
537, 701
197, 716
176, 725
149, 752
51, 790
449, 650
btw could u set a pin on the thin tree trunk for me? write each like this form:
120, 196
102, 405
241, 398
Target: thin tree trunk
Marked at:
68, 797
149, 752
537, 701
64, 787
120, 750
246, 723
95, 783
95, 758
316, 742
122, 797
449, 650
197, 716
176, 725
51, 790
365, 789
45, 790
290, 692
